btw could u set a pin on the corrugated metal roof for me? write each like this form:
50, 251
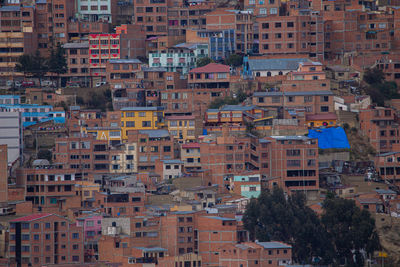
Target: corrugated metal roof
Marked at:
155, 133
271, 245
276, 64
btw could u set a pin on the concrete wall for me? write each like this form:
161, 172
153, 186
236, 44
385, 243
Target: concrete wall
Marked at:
10, 134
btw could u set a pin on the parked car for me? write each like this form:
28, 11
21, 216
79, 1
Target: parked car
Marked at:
73, 84
47, 83
98, 84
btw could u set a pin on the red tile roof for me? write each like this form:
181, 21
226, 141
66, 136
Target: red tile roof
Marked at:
191, 145
211, 68
31, 217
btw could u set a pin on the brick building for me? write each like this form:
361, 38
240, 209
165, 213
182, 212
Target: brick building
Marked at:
44, 238
255, 254
380, 126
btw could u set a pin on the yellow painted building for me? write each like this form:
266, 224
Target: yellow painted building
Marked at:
86, 189
321, 120
12, 43
182, 128
105, 133
141, 118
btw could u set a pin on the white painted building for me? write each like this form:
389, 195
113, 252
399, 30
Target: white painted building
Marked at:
11, 134
180, 58
94, 10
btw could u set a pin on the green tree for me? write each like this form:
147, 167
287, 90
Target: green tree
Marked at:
374, 76
34, 65
351, 229
234, 60
203, 61
57, 62
273, 216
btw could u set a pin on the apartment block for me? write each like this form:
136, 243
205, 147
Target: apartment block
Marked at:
152, 14
102, 47
48, 188
177, 233
182, 128
190, 156
95, 10
77, 55
380, 126
11, 135
141, 118
45, 238
300, 35
152, 145
240, 21
213, 232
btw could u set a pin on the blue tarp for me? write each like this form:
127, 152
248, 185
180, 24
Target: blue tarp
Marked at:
330, 137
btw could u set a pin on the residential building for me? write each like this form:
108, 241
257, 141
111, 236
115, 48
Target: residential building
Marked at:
102, 47
152, 14
270, 67
11, 135
190, 156
77, 55
179, 58
152, 145
212, 75
141, 118
178, 232
246, 185
182, 128
387, 166
213, 232
98, 10
45, 238
255, 253
221, 43
380, 126
32, 114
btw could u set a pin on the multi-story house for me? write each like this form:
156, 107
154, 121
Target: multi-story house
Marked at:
182, 128
95, 10
16, 38
91, 225
77, 55
178, 235
180, 58
45, 238
49, 188
272, 254
152, 145
212, 75
295, 34
153, 15
32, 113
247, 185
141, 118
213, 232
239, 21
190, 156
102, 47
380, 125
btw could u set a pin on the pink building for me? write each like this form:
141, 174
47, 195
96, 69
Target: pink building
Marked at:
91, 224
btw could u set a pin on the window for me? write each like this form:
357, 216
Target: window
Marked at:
324, 109
265, 25
278, 25
75, 258
290, 24
146, 123
75, 235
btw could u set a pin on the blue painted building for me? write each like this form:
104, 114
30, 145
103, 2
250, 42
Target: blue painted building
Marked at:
246, 185
32, 113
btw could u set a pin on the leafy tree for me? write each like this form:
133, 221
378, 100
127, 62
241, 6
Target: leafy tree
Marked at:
273, 216
374, 76
45, 154
219, 102
203, 61
234, 60
352, 230
34, 65
57, 62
